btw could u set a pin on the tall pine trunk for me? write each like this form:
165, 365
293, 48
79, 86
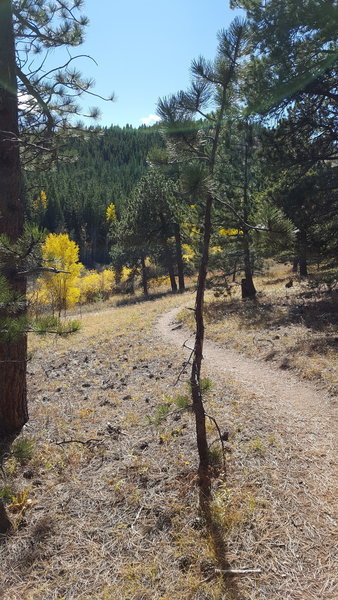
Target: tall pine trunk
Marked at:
197, 400
13, 355
144, 277
170, 267
295, 263
167, 254
303, 272
195, 378
179, 258
248, 288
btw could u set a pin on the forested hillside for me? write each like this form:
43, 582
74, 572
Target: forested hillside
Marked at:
95, 169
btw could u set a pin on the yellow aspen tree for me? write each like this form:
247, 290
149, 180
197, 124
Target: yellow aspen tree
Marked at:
60, 289
111, 213
40, 202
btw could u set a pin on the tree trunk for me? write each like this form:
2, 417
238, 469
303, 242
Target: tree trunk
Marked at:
167, 254
179, 258
171, 271
13, 355
144, 277
118, 274
234, 273
197, 400
303, 272
295, 263
5, 524
248, 288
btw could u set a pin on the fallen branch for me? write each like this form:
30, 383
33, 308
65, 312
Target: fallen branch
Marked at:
84, 442
137, 517
237, 571
179, 326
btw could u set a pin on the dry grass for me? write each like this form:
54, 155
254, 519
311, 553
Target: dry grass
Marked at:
294, 328
114, 513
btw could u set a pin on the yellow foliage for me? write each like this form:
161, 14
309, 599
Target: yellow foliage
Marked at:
215, 250
89, 286
60, 289
111, 213
191, 229
223, 231
107, 280
156, 282
40, 201
125, 273
95, 285
188, 253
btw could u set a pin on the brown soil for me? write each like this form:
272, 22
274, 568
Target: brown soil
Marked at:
113, 480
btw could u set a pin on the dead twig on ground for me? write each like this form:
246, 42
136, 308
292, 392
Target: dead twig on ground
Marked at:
84, 442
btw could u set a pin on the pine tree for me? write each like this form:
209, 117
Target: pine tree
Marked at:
197, 144
28, 30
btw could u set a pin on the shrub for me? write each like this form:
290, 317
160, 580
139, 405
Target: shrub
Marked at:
6, 494
51, 324
22, 450
46, 323
94, 286
67, 327
206, 385
182, 401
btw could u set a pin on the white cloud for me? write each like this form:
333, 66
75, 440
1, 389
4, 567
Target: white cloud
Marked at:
26, 102
150, 119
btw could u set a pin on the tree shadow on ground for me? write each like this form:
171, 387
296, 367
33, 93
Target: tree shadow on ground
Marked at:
131, 300
220, 550
315, 313
31, 548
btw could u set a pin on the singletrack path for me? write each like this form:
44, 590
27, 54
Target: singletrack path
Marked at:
300, 408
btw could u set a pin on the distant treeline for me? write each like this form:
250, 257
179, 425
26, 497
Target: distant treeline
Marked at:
95, 169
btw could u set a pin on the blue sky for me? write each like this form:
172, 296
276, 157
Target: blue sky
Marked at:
144, 50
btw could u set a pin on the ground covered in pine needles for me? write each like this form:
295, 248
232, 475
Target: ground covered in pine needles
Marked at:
104, 478
294, 328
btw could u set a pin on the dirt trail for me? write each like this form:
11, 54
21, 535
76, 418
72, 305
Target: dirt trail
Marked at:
299, 408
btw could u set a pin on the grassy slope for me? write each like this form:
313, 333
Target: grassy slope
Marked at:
116, 517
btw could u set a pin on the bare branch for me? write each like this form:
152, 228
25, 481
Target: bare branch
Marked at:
33, 92
247, 225
219, 435
237, 571
38, 269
